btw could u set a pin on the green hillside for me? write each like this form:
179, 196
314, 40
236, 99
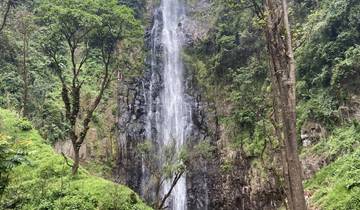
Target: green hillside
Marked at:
44, 180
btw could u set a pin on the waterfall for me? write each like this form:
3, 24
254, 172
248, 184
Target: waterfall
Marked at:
168, 114
174, 106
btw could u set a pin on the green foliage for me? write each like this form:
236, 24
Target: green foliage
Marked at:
172, 161
138, 6
24, 125
50, 121
333, 31
85, 42
99, 168
94, 24
46, 182
204, 149
226, 166
320, 107
336, 187
230, 64
10, 80
9, 83
346, 72
74, 201
343, 141
11, 155
43, 98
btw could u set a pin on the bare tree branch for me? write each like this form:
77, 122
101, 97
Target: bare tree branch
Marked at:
6, 14
104, 84
66, 160
173, 184
65, 91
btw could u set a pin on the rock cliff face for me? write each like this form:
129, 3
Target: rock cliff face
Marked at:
133, 111
130, 133
210, 185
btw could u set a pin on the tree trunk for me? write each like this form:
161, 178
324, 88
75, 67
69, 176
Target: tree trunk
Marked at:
295, 171
282, 70
76, 147
76, 164
25, 76
277, 122
175, 180
293, 162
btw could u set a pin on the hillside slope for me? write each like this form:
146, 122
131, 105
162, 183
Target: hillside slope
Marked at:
337, 185
45, 181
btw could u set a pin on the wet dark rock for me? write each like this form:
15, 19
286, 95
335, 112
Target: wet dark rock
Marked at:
208, 185
312, 132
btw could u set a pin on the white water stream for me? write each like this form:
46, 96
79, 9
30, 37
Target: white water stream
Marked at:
171, 116
174, 105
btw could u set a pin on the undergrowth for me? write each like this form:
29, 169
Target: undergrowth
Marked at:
45, 180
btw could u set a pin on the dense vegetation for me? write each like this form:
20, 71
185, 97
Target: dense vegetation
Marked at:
231, 65
41, 42
336, 186
43, 180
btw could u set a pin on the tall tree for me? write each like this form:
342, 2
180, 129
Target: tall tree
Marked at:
282, 66
24, 26
79, 33
282, 75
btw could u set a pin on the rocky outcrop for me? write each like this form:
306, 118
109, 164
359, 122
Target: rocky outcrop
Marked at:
223, 181
312, 132
131, 132
350, 110
198, 22
96, 147
312, 163
133, 108
235, 183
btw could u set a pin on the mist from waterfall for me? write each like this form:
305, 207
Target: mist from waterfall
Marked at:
169, 115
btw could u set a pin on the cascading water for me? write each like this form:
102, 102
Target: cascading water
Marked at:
168, 114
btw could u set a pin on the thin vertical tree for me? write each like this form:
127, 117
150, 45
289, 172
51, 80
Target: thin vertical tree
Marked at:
24, 26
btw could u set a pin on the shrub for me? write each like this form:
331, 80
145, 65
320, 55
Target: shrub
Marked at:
79, 202
24, 125
9, 158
